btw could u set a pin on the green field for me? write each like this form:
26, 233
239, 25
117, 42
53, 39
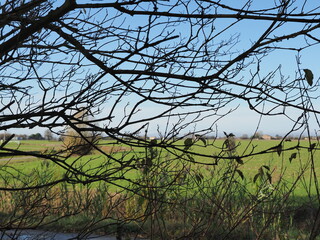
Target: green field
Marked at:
279, 163
199, 183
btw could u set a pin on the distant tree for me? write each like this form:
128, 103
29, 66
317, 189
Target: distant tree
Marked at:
244, 136
78, 140
48, 135
4, 136
36, 136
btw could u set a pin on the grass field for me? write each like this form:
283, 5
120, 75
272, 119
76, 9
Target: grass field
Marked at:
280, 164
258, 181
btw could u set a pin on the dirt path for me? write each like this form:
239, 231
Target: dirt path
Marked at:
17, 159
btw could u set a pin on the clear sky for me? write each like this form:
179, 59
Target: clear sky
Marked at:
242, 120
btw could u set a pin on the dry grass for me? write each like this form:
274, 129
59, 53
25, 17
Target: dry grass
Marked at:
115, 149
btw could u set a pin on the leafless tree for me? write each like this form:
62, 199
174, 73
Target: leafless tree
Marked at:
163, 68
48, 134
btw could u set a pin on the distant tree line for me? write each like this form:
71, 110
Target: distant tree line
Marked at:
34, 136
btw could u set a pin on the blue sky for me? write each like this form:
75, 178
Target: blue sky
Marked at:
242, 120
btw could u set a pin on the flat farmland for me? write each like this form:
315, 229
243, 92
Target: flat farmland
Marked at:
257, 183
294, 164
